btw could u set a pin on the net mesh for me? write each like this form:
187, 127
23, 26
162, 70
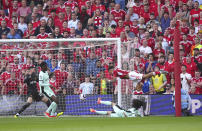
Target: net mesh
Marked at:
72, 62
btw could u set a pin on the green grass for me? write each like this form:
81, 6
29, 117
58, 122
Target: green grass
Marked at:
152, 123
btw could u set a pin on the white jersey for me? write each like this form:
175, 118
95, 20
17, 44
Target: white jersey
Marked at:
44, 79
185, 84
87, 88
135, 77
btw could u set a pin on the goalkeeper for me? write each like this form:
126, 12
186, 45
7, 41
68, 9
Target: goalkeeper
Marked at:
136, 110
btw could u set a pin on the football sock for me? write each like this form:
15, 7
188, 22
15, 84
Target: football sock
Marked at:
106, 102
53, 109
101, 112
50, 107
24, 107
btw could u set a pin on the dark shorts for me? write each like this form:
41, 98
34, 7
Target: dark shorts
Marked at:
35, 96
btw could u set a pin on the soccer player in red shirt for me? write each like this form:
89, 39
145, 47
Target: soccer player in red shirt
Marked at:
196, 82
132, 75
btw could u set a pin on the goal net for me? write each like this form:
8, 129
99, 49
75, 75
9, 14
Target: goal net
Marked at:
76, 64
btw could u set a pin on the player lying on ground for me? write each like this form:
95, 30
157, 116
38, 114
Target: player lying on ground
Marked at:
31, 80
136, 110
47, 91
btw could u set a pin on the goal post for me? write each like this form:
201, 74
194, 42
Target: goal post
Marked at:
45, 49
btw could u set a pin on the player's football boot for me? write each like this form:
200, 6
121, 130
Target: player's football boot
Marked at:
92, 110
120, 73
47, 114
99, 100
16, 116
52, 116
59, 114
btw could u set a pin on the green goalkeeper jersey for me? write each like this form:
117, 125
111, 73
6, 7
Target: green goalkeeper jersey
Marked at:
132, 112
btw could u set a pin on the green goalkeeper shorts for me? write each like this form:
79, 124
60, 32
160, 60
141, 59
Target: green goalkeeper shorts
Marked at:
48, 92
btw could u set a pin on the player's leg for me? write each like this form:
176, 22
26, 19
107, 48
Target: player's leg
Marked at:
25, 106
48, 103
99, 101
50, 112
100, 112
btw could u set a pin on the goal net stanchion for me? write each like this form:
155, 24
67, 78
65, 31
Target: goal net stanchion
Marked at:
177, 72
46, 49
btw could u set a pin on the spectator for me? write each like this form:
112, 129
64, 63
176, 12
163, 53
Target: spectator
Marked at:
149, 66
98, 68
57, 33
196, 82
24, 10
129, 35
145, 49
185, 78
83, 17
87, 87
13, 35
73, 22
159, 82
22, 25
46, 28
158, 50
53, 66
12, 85
29, 18
17, 30
79, 30
69, 87
118, 13
4, 28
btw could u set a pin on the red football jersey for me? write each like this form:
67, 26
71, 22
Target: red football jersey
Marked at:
195, 14
42, 36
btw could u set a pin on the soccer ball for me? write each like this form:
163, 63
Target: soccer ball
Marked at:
82, 97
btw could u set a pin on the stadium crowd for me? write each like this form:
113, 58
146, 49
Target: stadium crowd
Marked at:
146, 29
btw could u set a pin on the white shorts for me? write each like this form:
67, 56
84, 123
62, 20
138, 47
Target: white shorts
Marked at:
135, 76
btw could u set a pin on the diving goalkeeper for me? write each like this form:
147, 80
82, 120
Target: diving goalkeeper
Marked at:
136, 110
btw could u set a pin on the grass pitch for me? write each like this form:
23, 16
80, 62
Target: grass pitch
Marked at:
151, 123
